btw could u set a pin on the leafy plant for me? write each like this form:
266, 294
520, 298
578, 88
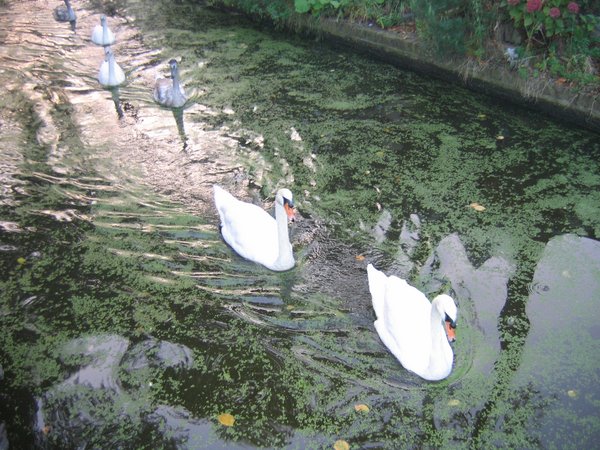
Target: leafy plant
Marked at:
561, 35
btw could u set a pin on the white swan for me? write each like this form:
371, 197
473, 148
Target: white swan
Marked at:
102, 35
110, 73
65, 13
253, 233
413, 329
170, 93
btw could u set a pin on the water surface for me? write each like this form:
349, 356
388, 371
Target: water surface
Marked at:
127, 322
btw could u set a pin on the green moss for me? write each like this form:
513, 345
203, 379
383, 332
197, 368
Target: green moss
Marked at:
287, 362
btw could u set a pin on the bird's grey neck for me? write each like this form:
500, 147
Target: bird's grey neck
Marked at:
175, 76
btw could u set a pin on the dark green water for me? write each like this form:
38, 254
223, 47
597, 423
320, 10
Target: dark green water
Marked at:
128, 323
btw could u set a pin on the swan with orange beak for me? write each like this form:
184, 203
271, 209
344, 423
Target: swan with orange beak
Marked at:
253, 233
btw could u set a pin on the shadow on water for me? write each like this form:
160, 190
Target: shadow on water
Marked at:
114, 92
127, 322
178, 116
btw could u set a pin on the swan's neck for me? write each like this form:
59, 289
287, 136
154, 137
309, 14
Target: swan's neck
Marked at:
104, 31
175, 76
111, 70
438, 333
70, 12
176, 86
285, 258
440, 360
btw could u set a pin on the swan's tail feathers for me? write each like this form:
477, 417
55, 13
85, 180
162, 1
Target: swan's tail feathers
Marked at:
377, 287
221, 197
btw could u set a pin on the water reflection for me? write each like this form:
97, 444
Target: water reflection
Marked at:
126, 309
178, 116
114, 92
100, 396
559, 366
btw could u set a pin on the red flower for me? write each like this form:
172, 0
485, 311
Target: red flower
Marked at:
573, 7
554, 13
534, 5
513, 2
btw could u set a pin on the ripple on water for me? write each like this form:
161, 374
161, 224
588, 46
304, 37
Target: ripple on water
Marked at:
289, 355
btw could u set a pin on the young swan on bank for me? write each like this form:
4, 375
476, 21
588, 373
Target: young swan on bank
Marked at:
413, 329
170, 93
65, 13
253, 233
102, 35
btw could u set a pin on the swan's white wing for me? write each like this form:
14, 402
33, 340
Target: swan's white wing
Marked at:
405, 327
99, 38
103, 73
119, 75
247, 228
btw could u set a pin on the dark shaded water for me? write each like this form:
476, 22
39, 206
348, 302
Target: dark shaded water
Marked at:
128, 323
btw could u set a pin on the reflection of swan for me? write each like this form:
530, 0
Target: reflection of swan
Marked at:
169, 93
253, 233
117, 101
102, 35
65, 13
178, 116
411, 327
110, 73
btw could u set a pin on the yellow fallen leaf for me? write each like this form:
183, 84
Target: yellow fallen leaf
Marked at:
477, 207
341, 445
21, 260
481, 116
572, 393
360, 258
226, 419
453, 402
361, 408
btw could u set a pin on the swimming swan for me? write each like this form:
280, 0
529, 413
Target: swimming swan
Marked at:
102, 35
253, 233
110, 73
411, 327
65, 13
169, 93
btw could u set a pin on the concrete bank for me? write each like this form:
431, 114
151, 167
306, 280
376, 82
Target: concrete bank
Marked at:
547, 96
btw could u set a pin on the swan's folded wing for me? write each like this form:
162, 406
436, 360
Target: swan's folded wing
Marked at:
407, 317
247, 228
252, 233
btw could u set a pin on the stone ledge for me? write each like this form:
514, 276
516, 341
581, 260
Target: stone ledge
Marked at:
549, 97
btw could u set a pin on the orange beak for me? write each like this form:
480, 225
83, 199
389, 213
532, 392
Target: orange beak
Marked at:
450, 332
289, 210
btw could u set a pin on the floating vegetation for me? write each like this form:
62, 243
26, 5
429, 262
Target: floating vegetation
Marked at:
126, 304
